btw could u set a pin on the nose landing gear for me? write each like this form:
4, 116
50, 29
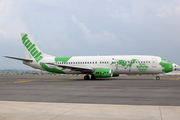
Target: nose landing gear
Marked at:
157, 78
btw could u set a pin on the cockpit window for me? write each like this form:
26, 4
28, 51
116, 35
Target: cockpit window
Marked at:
165, 61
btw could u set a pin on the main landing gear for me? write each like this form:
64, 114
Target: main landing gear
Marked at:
87, 77
93, 77
157, 78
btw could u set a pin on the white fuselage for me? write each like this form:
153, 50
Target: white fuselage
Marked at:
143, 65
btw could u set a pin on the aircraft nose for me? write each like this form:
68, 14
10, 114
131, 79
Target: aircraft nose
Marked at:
175, 66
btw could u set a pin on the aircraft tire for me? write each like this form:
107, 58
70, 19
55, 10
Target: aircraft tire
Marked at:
86, 77
157, 78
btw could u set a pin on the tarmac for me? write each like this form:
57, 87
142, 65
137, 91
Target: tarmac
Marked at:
53, 97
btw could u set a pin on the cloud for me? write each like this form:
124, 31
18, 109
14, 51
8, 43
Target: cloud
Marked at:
11, 20
109, 0
102, 36
3, 33
126, 12
133, 12
169, 8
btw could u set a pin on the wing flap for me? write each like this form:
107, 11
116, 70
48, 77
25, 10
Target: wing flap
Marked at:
76, 68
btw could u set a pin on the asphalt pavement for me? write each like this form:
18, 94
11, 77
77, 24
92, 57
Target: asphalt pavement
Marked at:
123, 90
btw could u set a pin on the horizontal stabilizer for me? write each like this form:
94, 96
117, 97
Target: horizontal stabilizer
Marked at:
22, 59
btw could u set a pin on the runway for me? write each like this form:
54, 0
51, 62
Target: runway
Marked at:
71, 97
125, 90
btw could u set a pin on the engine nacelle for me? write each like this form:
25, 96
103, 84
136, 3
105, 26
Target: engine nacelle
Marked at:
103, 72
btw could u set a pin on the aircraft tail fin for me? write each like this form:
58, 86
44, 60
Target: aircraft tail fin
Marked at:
31, 49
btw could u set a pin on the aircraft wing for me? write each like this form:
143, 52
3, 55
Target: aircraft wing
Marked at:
22, 59
75, 68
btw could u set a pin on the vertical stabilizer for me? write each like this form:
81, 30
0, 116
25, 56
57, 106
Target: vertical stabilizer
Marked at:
31, 49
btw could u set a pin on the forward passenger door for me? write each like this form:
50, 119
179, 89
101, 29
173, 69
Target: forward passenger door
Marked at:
154, 63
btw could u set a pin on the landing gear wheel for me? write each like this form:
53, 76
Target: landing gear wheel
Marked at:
86, 77
157, 78
93, 77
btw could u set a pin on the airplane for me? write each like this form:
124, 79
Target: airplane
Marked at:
93, 66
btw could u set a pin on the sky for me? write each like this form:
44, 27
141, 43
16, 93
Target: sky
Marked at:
90, 27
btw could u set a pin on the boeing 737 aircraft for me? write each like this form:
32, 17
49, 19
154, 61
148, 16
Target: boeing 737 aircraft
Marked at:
95, 66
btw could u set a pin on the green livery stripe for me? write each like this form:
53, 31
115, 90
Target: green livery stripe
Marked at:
55, 70
62, 59
32, 51
142, 66
38, 55
27, 42
24, 38
28, 45
39, 58
131, 62
168, 66
31, 48
125, 63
